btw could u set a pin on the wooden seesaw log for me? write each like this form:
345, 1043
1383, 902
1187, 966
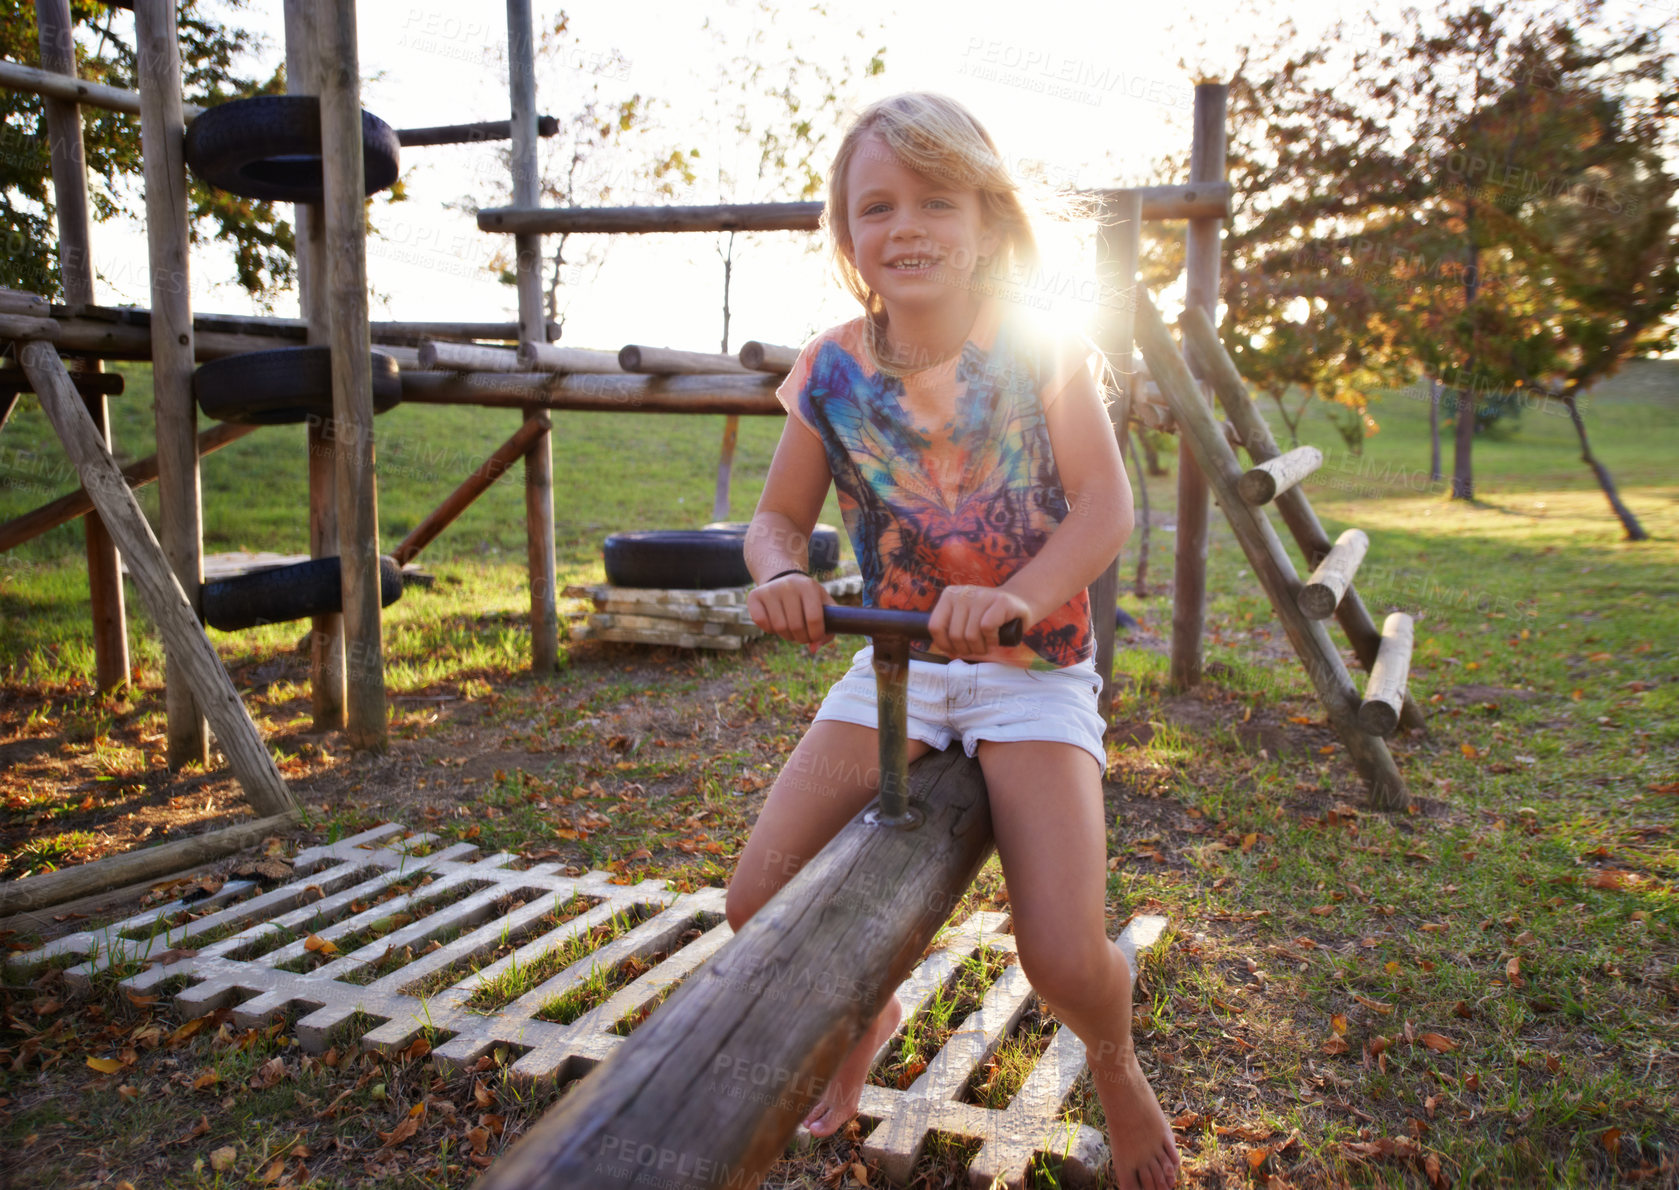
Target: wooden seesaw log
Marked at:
709, 1090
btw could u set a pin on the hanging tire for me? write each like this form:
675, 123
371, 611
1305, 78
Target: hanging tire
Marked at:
284, 593
284, 386
269, 147
697, 559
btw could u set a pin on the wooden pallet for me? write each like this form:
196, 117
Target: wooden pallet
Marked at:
707, 619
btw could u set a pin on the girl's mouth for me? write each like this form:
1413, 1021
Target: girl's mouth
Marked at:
913, 265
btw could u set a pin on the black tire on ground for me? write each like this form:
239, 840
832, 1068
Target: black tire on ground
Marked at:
284, 593
824, 542
283, 386
269, 147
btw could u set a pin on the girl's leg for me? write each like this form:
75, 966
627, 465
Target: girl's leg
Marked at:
833, 773
1047, 815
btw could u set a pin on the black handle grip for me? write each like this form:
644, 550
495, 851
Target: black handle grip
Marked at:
879, 621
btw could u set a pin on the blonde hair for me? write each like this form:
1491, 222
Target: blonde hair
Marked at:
938, 138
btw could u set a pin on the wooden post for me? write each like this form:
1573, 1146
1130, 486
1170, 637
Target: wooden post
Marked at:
759, 1029
326, 632
1200, 334
180, 515
75, 268
352, 373
182, 634
1118, 243
1270, 561
527, 249
1189, 593
725, 467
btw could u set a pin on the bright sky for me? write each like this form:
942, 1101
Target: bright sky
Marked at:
1093, 92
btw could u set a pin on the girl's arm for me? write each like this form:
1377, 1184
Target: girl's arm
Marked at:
779, 538
966, 619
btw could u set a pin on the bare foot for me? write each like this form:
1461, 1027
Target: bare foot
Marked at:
1145, 1157
839, 1099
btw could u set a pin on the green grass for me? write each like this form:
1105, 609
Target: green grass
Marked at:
1487, 981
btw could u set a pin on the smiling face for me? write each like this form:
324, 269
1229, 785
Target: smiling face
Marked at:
916, 241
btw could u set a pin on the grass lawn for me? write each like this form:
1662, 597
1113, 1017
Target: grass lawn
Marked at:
1480, 990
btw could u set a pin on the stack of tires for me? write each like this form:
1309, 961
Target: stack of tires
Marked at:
269, 148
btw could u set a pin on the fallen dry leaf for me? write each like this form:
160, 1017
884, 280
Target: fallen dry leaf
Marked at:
1437, 1043
223, 1158
409, 1126
188, 1029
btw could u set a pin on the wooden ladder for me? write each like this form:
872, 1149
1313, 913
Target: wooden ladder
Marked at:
1362, 725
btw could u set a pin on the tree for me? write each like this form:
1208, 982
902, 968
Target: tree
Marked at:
586, 162
770, 130
261, 241
1478, 196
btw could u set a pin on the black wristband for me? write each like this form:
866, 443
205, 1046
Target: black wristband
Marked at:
784, 574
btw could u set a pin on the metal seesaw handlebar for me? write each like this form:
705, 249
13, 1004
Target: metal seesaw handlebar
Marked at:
891, 632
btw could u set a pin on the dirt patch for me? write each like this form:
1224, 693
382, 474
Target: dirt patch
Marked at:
1209, 710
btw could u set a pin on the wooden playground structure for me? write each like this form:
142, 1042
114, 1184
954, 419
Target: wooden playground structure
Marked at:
516, 366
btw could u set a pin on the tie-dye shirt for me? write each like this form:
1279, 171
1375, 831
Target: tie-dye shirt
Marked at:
946, 476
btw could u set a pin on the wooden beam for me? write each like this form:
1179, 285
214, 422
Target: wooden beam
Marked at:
469, 134
130, 867
760, 1028
527, 255
471, 488
75, 271
1181, 200
668, 361
21, 301
1232, 392
175, 413
327, 691
171, 613
344, 216
51, 84
468, 357
746, 393
1207, 200
1270, 562
103, 340
767, 357
546, 357
292, 330
109, 384
65, 509
1201, 252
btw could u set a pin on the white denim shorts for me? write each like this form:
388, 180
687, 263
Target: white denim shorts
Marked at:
983, 701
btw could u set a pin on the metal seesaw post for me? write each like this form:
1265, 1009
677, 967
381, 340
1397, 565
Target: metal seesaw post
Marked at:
891, 633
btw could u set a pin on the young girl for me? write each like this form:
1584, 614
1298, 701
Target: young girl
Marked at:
979, 479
